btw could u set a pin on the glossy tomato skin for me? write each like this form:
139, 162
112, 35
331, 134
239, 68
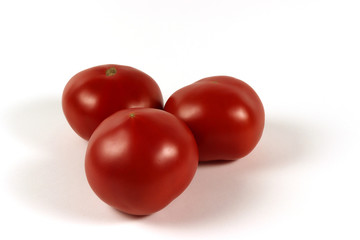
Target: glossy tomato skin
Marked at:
95, 93
225, 115
139, 160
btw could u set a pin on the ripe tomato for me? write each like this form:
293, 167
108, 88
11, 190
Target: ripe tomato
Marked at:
139, 160
95, 93
225, 115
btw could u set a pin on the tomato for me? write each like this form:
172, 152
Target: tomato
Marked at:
95, 93
225, 115
139, 160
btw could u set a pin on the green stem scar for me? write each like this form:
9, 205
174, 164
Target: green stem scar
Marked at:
111, 71
132, 115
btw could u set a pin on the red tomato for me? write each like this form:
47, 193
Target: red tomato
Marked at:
95, 93
139, 160
225, 115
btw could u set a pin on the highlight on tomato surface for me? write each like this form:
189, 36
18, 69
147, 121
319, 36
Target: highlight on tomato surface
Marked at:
95, 93
225, 115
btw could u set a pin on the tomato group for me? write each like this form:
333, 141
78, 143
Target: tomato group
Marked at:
225, 115
139, 160
95, 93
141, 156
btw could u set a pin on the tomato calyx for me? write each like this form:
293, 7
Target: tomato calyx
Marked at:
111, 71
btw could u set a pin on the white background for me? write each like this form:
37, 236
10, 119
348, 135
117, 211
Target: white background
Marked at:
302, 58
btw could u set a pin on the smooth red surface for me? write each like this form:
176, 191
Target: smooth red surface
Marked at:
225, 115
91, 95
139, 160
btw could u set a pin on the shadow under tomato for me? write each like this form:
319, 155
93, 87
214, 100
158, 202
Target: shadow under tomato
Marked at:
52, 180
215, 162
225, 190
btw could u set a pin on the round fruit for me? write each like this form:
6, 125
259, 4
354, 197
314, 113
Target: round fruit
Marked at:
95, 93
139, 160
225, 115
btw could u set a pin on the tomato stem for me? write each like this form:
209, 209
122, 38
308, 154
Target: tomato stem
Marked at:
111, 71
